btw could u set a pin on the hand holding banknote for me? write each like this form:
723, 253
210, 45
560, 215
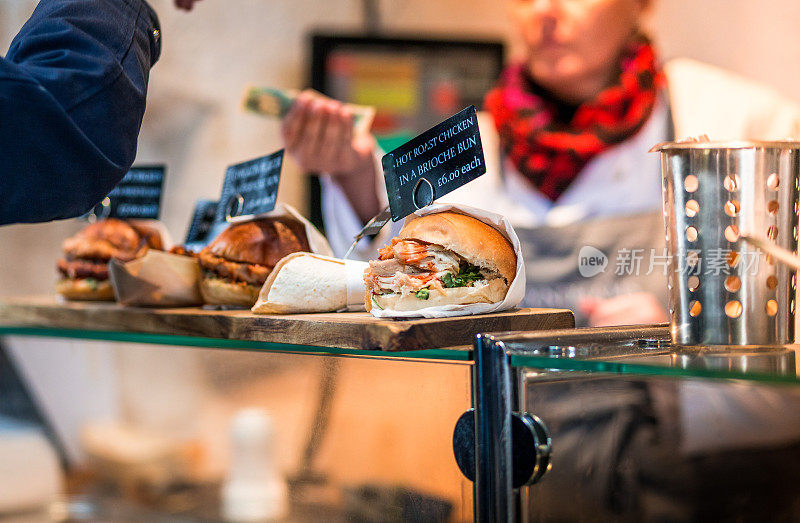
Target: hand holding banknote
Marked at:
319, 133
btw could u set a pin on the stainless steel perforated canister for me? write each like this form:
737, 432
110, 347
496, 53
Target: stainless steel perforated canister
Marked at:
723, 291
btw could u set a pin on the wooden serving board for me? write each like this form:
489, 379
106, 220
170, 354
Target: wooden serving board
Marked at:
349, 330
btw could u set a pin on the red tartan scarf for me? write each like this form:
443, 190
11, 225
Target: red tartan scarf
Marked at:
550, 149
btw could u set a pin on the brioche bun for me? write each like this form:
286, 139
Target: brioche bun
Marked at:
83, 289
264, 241
216, 291
112, 238
494, 291
470, 238
244, 254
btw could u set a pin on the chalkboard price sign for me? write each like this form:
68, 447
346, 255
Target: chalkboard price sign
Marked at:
136, 196
434, 163
201, 224
250, 188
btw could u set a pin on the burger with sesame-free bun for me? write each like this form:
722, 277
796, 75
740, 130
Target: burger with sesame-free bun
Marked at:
237, 263
444, 258
84, 266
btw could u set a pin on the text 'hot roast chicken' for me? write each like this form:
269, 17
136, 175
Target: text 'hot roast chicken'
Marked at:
441, 259
236, 264
84, 267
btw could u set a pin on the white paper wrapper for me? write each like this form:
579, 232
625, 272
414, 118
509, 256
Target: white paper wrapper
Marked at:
304, 282
515, 293
316, 241
158, 279
356, 288
166, 239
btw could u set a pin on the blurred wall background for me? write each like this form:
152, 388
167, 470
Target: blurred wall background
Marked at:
194, 125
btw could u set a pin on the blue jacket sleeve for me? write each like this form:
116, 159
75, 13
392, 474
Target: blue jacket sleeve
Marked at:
72, 97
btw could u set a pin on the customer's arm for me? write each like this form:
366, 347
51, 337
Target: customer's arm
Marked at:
72, 97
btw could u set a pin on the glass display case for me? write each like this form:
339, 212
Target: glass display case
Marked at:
618, 424
559, 424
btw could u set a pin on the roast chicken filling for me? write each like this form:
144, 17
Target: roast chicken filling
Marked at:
410, 266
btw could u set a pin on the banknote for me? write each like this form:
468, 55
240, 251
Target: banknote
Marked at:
269, 101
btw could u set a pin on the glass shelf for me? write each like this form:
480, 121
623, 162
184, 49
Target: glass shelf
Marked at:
648, 352
445, 354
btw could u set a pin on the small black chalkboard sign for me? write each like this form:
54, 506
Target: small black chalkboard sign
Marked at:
201, 224
250, 188
137, 196
434, 163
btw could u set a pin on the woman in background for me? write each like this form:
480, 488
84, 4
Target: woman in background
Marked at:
574, 121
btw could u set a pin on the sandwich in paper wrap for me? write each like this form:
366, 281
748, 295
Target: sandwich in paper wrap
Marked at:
237, 263
303, 282
83, 270
447, 265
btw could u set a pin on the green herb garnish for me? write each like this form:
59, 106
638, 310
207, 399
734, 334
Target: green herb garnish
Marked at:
467, 273
92, 283
423, 294
447, 280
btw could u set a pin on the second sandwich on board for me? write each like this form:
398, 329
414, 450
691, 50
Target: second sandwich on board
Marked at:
441, 259
237, 263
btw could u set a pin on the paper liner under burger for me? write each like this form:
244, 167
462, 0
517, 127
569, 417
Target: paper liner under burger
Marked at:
516, 290
305, 282
316, 241
158, 226
158, 279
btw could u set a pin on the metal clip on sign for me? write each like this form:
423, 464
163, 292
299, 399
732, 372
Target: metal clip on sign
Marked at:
371, 228
100, 211
423, 192
236, 200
